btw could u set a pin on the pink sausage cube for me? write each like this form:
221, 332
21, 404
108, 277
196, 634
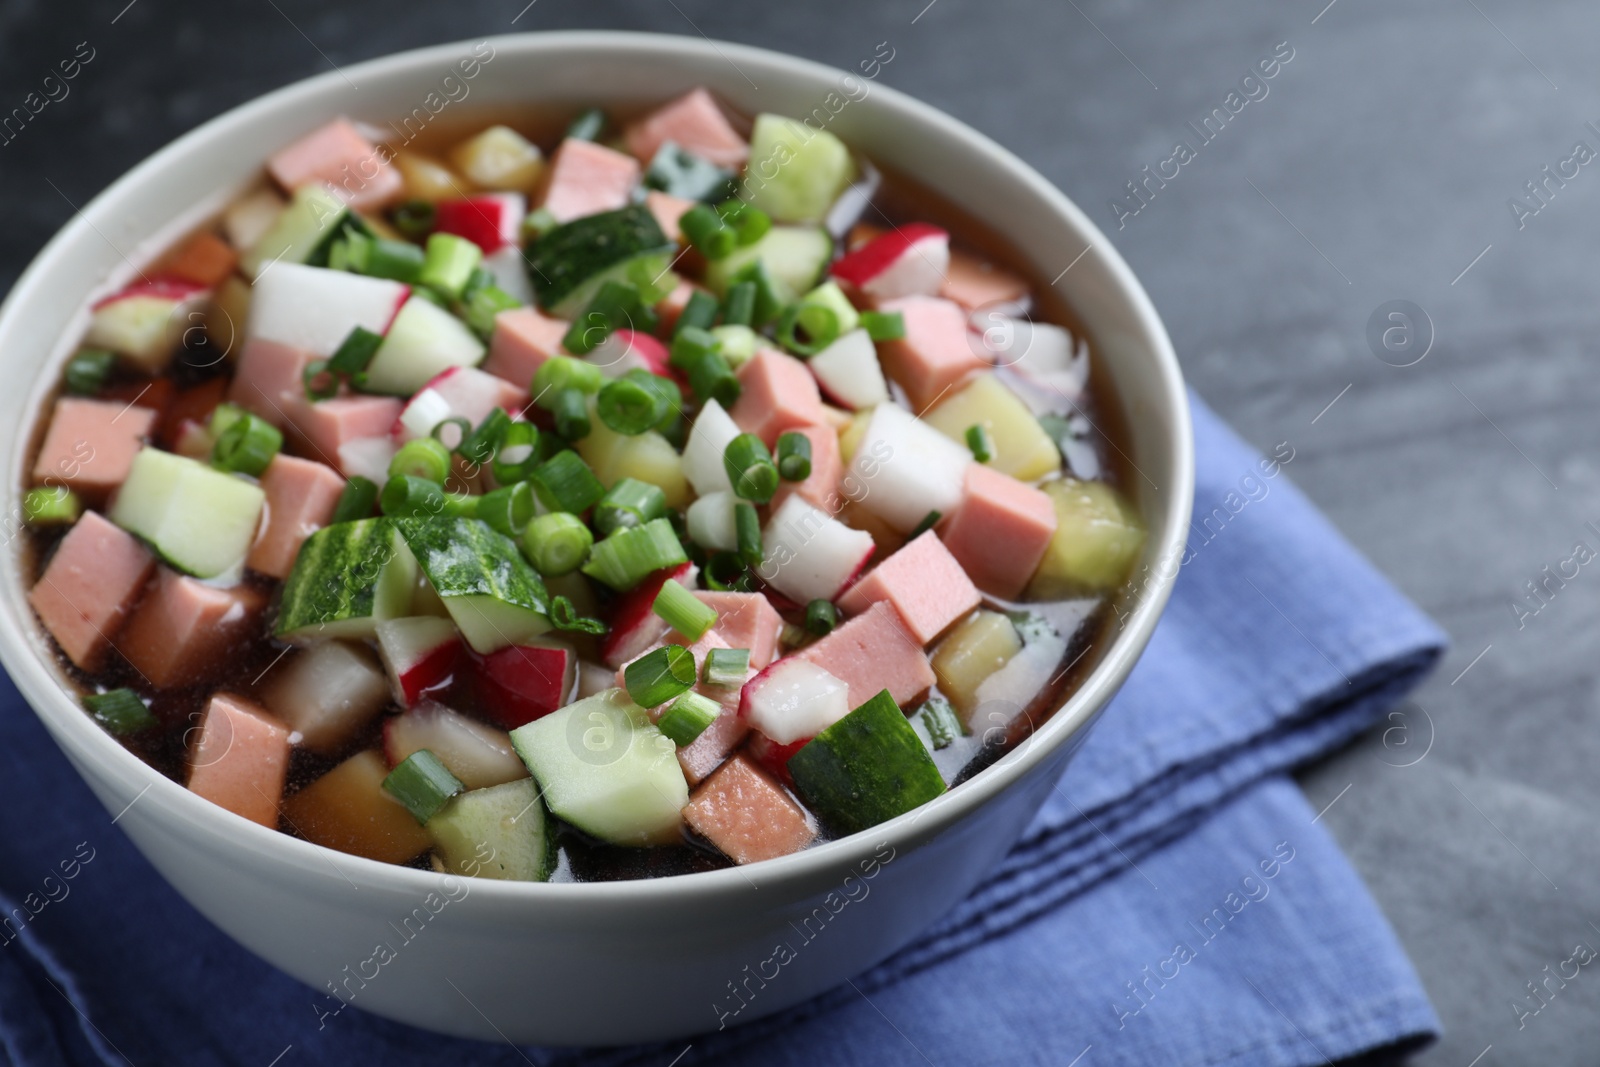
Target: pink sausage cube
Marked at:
935, 353
183, 630
523, 339
777, 393
705, 753
974, 283
92, 581
821, 486
667, 209
586, 178
91, 444
301, 494
746, 620
269, 381
875, 650
241, 759
924, 583
693, 122
328, 424
340, 156
1000, 531
747, 815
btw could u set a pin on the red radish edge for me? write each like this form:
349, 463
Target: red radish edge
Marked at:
879, 254
637, 605
176, 289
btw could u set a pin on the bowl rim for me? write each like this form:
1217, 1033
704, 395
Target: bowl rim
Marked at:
23, 653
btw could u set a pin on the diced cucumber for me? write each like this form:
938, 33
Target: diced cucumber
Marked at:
313, 215
1098, 536
198, 519
795, 257
606, 769
347, 578
498, 832
830, 296
492, 595
795, 172
866, 768
423, 341
570, 263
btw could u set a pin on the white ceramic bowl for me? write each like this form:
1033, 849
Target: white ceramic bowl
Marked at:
584, 964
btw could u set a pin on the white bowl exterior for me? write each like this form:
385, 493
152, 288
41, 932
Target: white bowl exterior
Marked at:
615, 962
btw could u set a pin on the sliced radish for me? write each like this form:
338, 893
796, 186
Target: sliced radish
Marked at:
145, 322
849, 372
1045, 356
626, 350
420, 654
475, 752
510, 272
520, 683
793, 700
906, 468
809, 554
635, 627
909, 260
315, 308
773, 756
456, 392
702, 456
367, 456
490, 220
327, 693
423, 341
710, 520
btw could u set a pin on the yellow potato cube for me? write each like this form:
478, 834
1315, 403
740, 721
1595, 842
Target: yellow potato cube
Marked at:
428, 179
975, 649
500, 158
1021, 447
1098, 536
648, 457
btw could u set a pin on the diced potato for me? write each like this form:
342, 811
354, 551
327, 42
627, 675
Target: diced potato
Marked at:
347, 809
975, 649
1098, 536
499, 158
428, 179
648, 457
226, 314
1021, 447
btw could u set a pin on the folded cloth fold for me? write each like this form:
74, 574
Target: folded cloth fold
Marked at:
1101, 934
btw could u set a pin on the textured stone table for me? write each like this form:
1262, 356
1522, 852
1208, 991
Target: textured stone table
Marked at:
1376, 165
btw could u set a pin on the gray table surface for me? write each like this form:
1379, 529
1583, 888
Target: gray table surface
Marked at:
1378, 167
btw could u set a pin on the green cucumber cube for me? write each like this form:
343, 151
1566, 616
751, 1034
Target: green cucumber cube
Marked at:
347, 578
795, 257
796, 171
494, 597
866, 768
310, 217
198, 519
498, 832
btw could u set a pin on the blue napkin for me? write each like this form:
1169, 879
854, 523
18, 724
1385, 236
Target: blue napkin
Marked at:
1174, 901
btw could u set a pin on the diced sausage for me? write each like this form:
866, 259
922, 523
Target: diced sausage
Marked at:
586, 178
935, 353
924, 583
301, 495
241, 759
1000, 531
694, 123
875, 650
180, 632
747, 815
777, 393
91, 444
340, 156
89, 586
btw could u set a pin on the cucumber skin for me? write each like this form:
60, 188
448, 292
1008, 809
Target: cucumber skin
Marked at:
303, 232
563, 260
866, 768
466, 557
339, 580
479, 817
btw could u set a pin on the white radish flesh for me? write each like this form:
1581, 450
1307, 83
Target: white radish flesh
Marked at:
907, 468
808, 554
793, 700
326, 693
477, 754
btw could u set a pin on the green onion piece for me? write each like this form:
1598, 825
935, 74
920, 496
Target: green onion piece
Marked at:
669, 392
565, 372
623, 559
929, 521
682, 611
739, 305
747, 531
689, 346
571, 414
461, 505
483, 305
356, 501
448, 263
556, 544
687, 718
564, 482
451, 432
768, 301
423, 784
478, 279
749, 221
88, 370
563, 616
422, 292
627, 504
320, 382
750, 468
726, 667
422, 458
697, 353
479, 445
51, 506
725, 572
508, 510
223, 416
517, 454
705, 230
940, 720
699, 312
400, 261
738, 343
405, 495
588, 125
821, 617
807, 329
682, 173
660, 675
537, 223
629, 407
884, 325
794, 456
979, 441
616, 306
414, 218
355, 351
247, 446
119, 711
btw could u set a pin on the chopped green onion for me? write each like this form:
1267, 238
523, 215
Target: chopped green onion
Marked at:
538, 222
726, 667
51, 506
807, 329
687, 718
452, 432
616, 306
588, 125
88, 370
414, 218
940, 720
630, 407
355, 352
422, 292
623, 559
821, 617
747, 532
768, 301
223, 416
669, 392
422, 458
884, 325
681, 173
356, 501
689, 345
564, 482
556, 544
697, 353
627, 504
461, 505
508, 510
319, 380
699, 312
565, 372
739, 305
682, 611
979, 441
749, 221
725, 572
406, 495
119, 711
929, 521
660, 675
571, 414
705, 230
483, 305
738, 344
794, 456
448, 263
750, 468
563, 616
423, 784
378, 257
247, 446
479, 445
517, 454
654, 281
